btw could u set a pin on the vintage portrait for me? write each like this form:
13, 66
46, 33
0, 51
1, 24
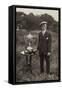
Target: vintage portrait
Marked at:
37, 44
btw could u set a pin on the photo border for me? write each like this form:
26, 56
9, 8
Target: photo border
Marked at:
59, 42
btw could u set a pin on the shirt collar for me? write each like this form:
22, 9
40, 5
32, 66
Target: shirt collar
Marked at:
43, 32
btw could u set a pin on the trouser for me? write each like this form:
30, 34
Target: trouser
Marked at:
47, 59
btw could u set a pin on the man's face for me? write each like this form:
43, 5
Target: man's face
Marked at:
43, 26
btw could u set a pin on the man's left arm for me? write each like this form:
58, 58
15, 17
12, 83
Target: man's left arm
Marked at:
49, 45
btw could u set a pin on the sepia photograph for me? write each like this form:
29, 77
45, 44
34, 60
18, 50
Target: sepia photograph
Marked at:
37, 44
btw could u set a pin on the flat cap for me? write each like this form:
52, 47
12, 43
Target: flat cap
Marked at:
43, 22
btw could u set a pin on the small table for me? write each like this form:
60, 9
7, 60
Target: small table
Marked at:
28, 55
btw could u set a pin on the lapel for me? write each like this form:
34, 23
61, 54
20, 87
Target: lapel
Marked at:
45, 35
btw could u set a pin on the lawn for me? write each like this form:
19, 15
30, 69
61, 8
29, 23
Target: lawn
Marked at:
21, 74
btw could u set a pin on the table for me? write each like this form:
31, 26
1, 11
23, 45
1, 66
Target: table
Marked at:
28, 55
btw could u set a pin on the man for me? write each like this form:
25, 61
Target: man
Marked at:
44, 47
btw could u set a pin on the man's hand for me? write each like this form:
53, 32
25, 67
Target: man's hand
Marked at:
48, 54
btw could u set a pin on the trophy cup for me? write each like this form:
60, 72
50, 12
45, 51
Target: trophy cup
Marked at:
29, 50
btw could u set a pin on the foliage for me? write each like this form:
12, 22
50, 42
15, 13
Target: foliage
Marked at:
31, 22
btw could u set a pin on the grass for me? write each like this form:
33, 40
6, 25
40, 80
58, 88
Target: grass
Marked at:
21, 74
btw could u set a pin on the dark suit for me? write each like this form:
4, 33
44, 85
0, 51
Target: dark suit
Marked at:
44, 46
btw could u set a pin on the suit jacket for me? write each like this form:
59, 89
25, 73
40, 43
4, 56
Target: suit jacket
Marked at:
44, 43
